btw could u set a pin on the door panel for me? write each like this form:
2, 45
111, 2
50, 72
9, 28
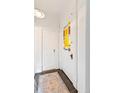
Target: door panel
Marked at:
50, 50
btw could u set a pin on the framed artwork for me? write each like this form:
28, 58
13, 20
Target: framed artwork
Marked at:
66, 36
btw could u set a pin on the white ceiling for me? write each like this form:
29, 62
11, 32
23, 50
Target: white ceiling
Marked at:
51, 6
53, 9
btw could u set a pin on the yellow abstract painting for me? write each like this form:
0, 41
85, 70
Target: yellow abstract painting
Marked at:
66, 36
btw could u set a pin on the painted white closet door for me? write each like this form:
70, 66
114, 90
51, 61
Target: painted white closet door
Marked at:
38, 53
50, 50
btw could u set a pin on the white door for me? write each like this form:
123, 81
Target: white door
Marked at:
38, 49
50, 50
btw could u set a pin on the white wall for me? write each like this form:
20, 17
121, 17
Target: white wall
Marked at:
83, 47
69, 66
38, 56
81, 51
78, 68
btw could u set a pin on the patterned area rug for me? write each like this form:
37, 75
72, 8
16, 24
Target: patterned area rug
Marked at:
52, 83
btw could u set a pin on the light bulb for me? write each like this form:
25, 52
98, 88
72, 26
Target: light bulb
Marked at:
39, 14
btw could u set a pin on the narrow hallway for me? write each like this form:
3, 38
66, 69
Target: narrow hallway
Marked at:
60, 46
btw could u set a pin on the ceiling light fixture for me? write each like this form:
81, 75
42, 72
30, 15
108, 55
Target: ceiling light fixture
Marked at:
39, 14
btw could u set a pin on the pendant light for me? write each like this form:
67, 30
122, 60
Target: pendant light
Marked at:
39, 14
